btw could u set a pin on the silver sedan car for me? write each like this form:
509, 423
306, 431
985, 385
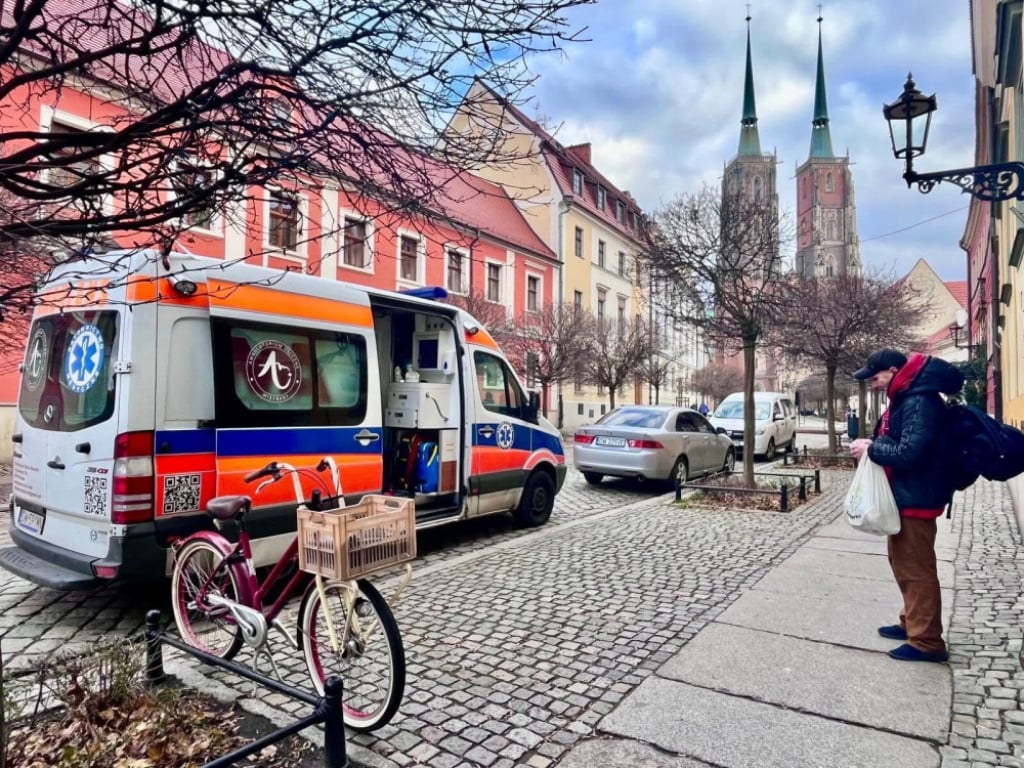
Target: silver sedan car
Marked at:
651, 442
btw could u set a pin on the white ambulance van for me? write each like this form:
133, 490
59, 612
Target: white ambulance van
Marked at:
153, 383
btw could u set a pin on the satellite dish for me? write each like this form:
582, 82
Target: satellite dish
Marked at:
961, 318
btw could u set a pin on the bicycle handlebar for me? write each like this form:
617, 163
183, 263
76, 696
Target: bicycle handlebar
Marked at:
271, 469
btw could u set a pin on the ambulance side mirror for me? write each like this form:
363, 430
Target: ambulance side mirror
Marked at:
532, 406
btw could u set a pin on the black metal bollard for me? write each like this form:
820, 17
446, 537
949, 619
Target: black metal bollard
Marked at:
805, 450
817, 481
784, 501
334, 724
803, 488
679, 488
154, 650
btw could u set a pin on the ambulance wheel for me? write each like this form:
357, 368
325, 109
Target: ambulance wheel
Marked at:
537, 502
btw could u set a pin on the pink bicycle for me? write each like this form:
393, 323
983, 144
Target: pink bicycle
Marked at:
345, 627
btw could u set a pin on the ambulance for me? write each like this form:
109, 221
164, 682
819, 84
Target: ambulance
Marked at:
154, 382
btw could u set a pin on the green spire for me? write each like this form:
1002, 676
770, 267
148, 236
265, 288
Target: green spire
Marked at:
750, 142
821, 138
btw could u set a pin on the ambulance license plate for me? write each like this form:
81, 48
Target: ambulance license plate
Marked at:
31, 521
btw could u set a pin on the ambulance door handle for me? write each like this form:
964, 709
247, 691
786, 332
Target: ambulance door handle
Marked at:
486, 431
83, 448
17, 437
366, 436
55, 464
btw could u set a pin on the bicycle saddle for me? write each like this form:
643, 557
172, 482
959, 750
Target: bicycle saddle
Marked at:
228, 507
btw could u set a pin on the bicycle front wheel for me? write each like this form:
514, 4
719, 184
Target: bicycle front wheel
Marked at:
370, 660
198, 573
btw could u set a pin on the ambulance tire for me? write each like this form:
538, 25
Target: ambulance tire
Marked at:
537, 501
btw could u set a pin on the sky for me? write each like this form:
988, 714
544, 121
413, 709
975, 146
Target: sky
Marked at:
658, 92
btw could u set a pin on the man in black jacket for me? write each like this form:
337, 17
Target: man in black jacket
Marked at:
911, 444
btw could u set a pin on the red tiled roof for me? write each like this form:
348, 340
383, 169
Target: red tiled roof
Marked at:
936, 340
562, 160
959, 290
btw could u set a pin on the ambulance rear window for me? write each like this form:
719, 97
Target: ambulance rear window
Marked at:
66, 382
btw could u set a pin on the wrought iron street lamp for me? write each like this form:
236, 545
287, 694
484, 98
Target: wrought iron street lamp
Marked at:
910, 118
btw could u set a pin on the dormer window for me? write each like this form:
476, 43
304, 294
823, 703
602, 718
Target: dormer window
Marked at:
577, 181
620, 212
602, 198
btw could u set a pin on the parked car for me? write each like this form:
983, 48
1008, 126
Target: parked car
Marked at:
651, 442
774, 422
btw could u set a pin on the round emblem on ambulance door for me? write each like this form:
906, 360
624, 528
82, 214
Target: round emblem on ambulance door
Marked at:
36, 360
83, 361
506, 435
273, 371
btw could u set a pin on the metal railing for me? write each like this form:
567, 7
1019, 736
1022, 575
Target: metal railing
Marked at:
326, 709
799, 484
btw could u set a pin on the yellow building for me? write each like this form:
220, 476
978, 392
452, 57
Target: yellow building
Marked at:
592, 225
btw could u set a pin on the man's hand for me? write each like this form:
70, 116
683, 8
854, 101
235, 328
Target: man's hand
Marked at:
859, 447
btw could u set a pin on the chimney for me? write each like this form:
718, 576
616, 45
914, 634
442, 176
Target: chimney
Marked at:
582, 151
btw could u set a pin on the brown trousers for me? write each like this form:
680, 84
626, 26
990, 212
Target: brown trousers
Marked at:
912, 557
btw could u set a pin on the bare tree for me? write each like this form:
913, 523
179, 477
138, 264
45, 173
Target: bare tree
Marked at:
853, 315
717, 259
717, 380
491, 314
201, 105
655, 370
617, 355
550, 345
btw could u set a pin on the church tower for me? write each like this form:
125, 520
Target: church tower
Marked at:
827, 243
751, 174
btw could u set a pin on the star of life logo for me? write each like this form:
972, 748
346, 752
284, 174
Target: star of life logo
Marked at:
506, 435
36, 360
84, 359
273, 371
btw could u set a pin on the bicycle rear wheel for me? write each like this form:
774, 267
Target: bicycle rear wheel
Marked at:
371, 660
209, 628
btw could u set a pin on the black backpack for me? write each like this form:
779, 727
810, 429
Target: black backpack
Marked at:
982, 446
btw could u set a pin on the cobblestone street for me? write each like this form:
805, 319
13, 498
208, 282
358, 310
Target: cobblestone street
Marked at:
520, 642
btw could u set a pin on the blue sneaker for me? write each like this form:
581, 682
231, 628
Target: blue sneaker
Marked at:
893, 632
907, 652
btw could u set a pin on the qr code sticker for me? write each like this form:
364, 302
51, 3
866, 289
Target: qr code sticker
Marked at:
181, 493
95, 495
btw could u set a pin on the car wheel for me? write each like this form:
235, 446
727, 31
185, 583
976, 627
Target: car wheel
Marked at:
680, 471
769, 451
592, 478
730, 461
537, 501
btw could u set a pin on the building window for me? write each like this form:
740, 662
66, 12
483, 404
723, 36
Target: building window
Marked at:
578, 242
493, 282
828, 182
600, 306
577, 301
355, 243
577, 181
455, 278
577, 380
620, 212
622, 317
190, 181
602, 198
409, 257
284, 221
600, 253
532, 293
67, 175
622, 263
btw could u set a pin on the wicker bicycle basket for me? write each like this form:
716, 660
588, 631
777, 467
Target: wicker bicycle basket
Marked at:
351, 542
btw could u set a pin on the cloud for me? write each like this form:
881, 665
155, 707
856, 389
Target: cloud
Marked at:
659, 97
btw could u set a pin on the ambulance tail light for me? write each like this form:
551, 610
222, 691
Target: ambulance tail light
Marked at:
134, 481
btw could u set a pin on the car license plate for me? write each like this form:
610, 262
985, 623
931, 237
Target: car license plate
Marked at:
31, 521
611, 442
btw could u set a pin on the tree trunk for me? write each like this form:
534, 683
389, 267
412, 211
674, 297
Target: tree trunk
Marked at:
830, 408
748, 412
657, 398
611, 396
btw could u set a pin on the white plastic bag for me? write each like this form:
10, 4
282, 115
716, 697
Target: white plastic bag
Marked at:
870, 506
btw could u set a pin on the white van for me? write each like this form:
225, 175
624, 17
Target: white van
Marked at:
153, 383
774, 422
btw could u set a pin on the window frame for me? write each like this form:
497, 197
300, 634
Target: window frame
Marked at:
463, 255
578, 181
298, 247
419, 260
496, 268
578, 242
367, 242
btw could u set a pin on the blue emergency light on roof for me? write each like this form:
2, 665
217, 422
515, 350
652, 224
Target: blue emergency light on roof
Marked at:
435, 292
